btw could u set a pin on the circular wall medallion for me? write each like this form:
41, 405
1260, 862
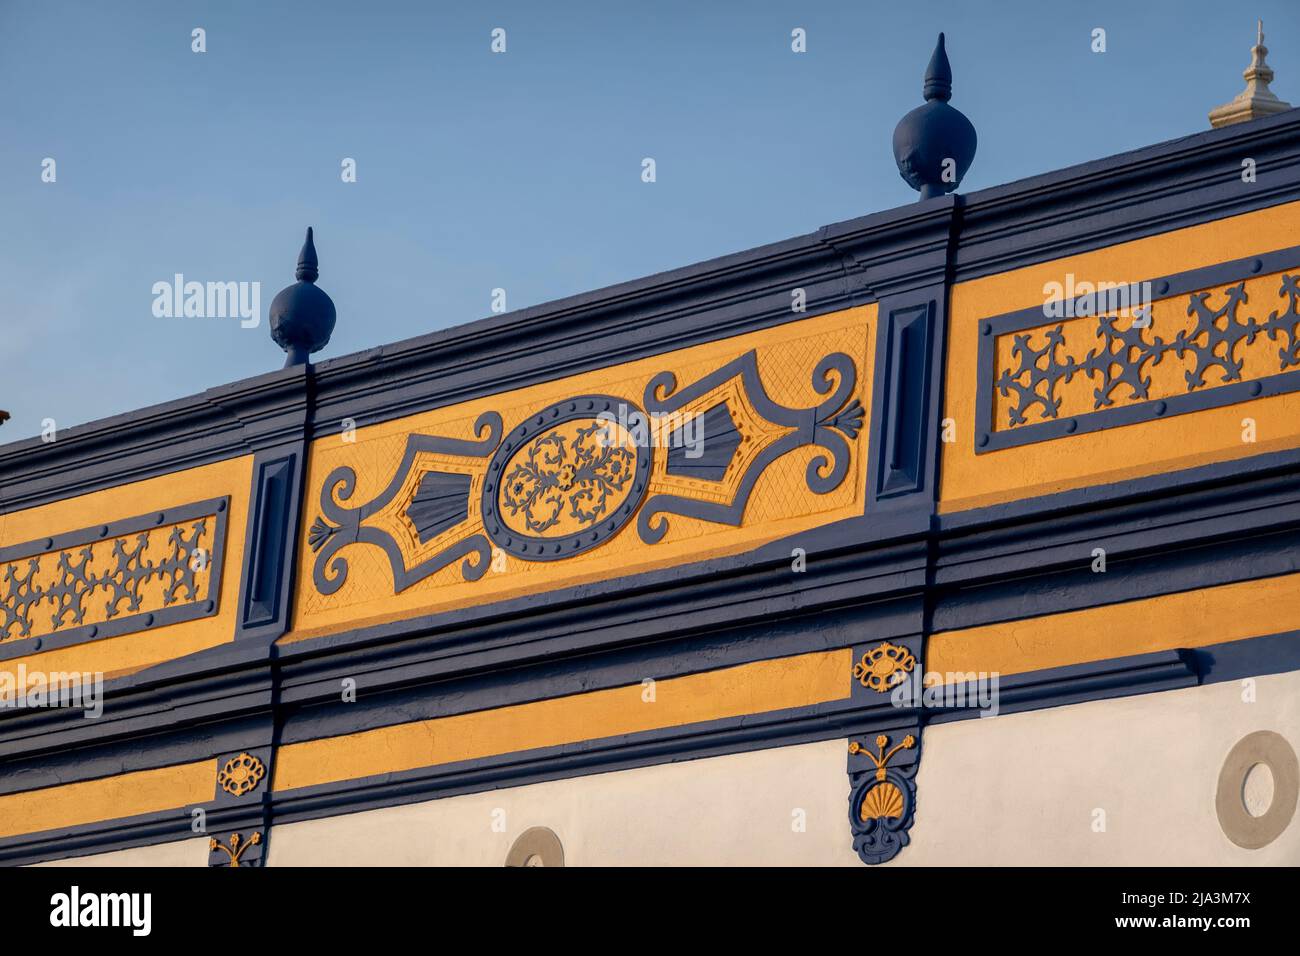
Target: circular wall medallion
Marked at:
536, 846
568, 478
1259, 784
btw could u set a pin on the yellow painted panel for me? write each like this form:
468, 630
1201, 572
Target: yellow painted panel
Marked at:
1171, 322
780, 504
731, 692
126, 653
1181, 441
108, 798
1229, 612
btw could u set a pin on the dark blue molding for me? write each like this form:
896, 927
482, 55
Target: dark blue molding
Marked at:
1166, 670
215, 508
1257, 657
1171, 542
1171, 185
227, 421
524, 652
1211, 395
185, 710
1168, 543
187, 707
1096, 680
702, 605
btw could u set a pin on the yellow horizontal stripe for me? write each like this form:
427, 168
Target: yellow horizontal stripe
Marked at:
72, 804
1229, 612
731, 692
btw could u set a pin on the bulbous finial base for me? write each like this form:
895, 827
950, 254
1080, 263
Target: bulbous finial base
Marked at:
302, 316
934, 144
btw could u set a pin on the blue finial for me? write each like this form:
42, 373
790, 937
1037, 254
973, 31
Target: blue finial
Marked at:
934, 144
302, 316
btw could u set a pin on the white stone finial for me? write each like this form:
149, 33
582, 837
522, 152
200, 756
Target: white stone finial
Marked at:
1256, 100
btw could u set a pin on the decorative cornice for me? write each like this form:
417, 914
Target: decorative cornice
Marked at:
223, 422
1170, 185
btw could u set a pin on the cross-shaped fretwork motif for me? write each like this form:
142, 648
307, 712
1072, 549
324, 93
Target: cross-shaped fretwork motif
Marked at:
1123, 350
131, 572
1125, 355
71, 578
71, 588
1208, 354
1045, 377
184, 559
1288, 323
21, 595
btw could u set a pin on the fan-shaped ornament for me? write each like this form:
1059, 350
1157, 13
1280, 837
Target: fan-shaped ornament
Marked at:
882, 799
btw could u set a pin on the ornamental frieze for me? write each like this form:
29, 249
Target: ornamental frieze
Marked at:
148, 571
1138, 352
763, 435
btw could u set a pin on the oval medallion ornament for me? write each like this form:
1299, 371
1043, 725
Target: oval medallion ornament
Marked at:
567, 479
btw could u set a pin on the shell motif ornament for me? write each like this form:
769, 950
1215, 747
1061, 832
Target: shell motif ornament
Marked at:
885, 800
882, 798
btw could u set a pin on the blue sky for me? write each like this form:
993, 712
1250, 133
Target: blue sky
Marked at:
518, 170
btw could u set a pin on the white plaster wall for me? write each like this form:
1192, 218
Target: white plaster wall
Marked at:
1021, 789
182, 853
1016, 789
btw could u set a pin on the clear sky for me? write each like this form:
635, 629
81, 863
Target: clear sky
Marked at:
519, 170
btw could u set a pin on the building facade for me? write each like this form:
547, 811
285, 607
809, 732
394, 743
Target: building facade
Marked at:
960, 533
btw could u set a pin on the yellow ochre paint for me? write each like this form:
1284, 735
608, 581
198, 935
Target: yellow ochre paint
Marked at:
1214, 615
1183, 441
731, 692
108, 798
780, 504
127, 653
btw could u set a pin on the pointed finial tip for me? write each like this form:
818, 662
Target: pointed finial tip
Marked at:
938, 74
308, 265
